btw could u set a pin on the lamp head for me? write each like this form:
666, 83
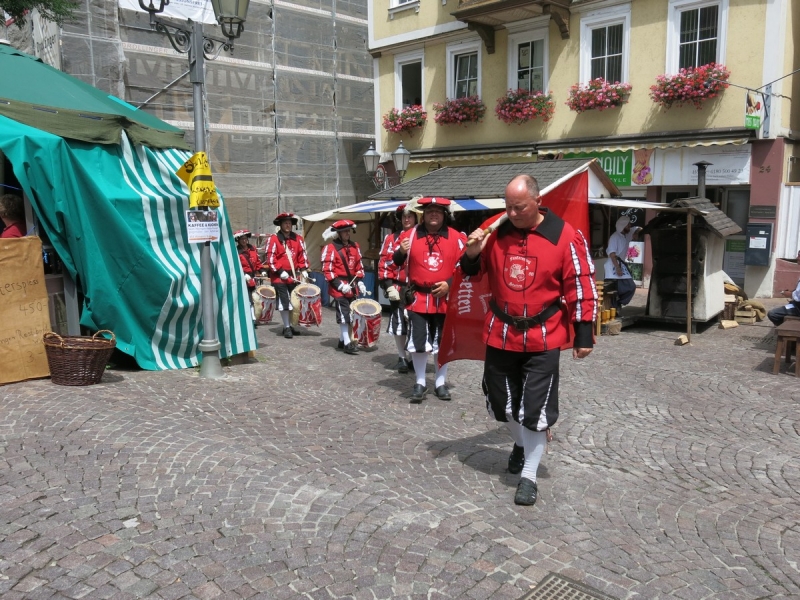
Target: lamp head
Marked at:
231, 15
152, 8
371, 159
401, 157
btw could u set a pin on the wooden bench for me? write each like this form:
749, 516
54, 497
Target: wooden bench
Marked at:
788, 334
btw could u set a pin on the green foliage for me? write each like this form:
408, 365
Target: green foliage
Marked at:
52, 10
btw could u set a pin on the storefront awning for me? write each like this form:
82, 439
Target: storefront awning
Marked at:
662, 145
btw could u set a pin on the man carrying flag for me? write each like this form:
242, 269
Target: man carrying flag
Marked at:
541, 278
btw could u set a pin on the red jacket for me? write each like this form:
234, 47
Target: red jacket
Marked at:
277, 256
432, 258
333, 267
530, 270
250, 263
388, 272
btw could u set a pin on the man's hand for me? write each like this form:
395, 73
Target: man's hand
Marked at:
362, 289
581, 352
440, 289
405, 245
476, 242
618, 269
284, 275
392, 293
345, 288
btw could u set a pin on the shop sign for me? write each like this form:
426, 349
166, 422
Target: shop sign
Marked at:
763, 211
730, 165
196, 174
753, 107
45, 40
624, 167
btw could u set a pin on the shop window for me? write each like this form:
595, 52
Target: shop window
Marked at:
696, 33
604, 45
793, 171
464, 70
527, 60
408, 80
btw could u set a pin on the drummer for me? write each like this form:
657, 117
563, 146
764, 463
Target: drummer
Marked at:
288, 264
392, 278
344, 272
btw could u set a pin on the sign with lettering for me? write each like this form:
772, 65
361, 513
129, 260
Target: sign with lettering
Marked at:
46, 40
202, 226
617, 165
753, 108
182, 10
763, 211
24, 312
196, 174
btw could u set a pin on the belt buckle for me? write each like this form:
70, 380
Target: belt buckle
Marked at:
522, 323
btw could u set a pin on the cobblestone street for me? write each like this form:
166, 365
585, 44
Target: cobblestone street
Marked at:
308, 474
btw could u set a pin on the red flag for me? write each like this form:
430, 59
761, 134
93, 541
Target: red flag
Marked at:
468, 303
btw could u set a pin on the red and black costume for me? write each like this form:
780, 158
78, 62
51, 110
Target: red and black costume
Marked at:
251, 265
341, 264
286, 259
432, 258
542, 283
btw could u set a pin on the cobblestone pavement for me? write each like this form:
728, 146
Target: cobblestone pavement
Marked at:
308, 474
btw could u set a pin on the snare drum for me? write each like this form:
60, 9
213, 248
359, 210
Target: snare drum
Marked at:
265, 304
366, 322
306, 305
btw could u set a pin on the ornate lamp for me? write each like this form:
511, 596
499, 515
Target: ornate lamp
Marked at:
401, 157
231, 15
371, 159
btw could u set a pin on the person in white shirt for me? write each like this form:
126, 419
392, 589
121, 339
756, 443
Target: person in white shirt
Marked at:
778, 314
617, 275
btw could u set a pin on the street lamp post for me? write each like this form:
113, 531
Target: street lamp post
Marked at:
377, 173
231, 15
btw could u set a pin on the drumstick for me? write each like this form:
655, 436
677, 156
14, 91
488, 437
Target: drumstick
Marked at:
500, 220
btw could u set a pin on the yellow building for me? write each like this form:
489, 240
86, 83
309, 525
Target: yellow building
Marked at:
433, 52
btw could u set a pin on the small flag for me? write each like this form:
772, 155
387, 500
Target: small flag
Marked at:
196, 174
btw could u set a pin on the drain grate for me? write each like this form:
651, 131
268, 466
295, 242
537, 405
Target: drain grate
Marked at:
558, 587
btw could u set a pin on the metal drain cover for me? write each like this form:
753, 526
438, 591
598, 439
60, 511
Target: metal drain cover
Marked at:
558, 587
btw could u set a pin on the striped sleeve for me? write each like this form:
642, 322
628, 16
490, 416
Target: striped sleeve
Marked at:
580, 291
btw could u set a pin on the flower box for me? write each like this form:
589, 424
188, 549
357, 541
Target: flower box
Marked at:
695, 85
598, 94
459, 111
520, 106
406, 120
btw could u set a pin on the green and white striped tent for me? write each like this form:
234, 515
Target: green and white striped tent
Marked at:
103, 186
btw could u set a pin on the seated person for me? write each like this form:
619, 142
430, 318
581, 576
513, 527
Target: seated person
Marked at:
778, 314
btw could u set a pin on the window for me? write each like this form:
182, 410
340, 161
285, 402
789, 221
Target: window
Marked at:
527, 56
607, 53
466, 82
408, 79
241, 116
698, 37
464, 69
604, 44
696, 33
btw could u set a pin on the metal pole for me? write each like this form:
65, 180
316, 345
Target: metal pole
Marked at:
211, 367
689, 275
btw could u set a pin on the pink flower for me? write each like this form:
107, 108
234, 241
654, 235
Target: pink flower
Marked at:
598, 94
695, 85
520, 106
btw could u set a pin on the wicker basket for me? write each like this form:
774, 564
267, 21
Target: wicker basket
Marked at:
78, 360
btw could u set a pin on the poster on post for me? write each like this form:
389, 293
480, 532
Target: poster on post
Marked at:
24, 312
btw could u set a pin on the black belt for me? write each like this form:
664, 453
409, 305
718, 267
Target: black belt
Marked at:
421, 288
525, 323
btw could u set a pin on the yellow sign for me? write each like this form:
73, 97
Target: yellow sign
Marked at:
196, 173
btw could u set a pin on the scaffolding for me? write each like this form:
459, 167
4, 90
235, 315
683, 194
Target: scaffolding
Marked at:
290, 113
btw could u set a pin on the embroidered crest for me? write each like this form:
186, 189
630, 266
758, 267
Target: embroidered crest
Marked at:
519, 271
433, 261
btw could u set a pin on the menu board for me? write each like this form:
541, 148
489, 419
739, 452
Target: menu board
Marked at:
24, 314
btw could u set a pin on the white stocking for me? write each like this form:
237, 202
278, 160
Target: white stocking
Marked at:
420, 360
535, 441
441, 374
400, 340
515, 429
285, 316
344, 334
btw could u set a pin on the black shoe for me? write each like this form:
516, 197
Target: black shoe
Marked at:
351, 348
442, 393
527, 491
410, 366
401, 366
340, 345
287, 333
419, 393
516, 460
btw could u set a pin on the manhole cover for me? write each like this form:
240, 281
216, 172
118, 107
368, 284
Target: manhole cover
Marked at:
558, 587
